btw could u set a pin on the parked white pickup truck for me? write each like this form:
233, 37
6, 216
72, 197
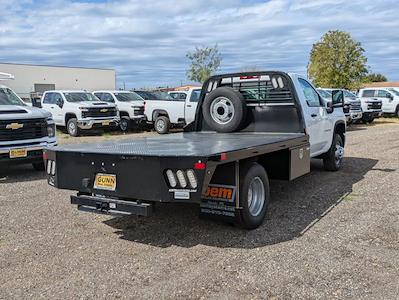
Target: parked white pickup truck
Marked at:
352, 104
79, 110
130, 106
388, 96
176, 111
24, 130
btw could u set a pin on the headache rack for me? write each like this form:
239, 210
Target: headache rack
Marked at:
259, 90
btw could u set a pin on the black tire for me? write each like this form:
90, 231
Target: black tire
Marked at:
224, 110
333, 159
39, 166
162, 125
124, 124
397, 112
72, 127
252, 215
367, 119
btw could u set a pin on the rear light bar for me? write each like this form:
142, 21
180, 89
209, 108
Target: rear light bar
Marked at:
182, 178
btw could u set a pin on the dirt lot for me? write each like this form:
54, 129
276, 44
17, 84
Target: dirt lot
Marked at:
327, 235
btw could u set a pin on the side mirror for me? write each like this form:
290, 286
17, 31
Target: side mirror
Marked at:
329, 107
60, 103
337, 98
389, 96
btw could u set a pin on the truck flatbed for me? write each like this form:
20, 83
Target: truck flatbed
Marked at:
197, 144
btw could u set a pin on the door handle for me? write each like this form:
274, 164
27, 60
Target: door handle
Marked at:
52, 107
313, 115
188, 105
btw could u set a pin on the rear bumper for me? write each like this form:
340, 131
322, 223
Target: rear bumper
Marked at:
98, 123
111, 206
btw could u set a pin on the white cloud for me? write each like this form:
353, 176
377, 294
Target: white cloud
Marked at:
146, 41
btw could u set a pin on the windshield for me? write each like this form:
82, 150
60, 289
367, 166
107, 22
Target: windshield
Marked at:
396, 92
324, 93
146, 95
349, 94
8, 97
126, 97
80, 96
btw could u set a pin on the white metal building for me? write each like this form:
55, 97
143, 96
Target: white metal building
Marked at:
35, 79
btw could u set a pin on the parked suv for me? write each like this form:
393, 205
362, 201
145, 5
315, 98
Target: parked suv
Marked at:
79, 110
388, 96
24, 131
130, 106
352, 104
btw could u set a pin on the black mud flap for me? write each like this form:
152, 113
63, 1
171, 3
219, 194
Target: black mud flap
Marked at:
219, 203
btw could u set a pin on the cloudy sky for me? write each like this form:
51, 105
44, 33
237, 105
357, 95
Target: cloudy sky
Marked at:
146, 41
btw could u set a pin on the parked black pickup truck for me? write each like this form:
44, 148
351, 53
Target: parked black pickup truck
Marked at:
249, 128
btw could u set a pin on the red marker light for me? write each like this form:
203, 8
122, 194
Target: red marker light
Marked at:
199, 166
249, 77
223, 156
45, 155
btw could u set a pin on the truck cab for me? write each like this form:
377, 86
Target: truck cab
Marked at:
25, 131
129, 104
389, 98
79, 110
178, 110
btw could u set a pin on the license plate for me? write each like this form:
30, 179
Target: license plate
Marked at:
106, 123
105, 182
16, 153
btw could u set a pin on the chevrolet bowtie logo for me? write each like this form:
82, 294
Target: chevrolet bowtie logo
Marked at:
14, 126
104, 110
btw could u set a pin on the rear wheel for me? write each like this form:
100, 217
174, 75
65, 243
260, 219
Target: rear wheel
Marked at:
254, 195
162, 125
334, 156
72, 127
39, 166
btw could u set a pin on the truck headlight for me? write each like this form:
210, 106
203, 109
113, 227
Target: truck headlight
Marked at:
50, 127
83, 108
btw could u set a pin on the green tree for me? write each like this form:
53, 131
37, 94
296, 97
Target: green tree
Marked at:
204, 62
375, 77
337, 61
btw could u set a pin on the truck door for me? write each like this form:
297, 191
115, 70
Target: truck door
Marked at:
56, 108
387, 101
318, 123
191, 105
49, 104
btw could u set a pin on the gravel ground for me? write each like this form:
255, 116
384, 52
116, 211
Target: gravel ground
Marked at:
327, 235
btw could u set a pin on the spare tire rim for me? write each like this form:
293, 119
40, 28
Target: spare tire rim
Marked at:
256, 196
160, 125
222, 110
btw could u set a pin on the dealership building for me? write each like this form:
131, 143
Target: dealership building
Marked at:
30, 81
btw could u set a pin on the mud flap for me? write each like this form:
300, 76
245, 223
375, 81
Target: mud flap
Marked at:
219, 203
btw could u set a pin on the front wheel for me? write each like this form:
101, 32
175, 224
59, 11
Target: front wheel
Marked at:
334, 156
367, 119
254, 195
72, 127
124, 124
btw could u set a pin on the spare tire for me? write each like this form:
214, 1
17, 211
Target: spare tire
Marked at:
224, 110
